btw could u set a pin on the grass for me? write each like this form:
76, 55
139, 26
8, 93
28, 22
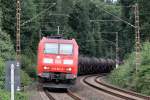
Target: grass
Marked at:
5, 95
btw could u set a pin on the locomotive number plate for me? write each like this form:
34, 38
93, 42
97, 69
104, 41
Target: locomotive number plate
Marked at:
57, 61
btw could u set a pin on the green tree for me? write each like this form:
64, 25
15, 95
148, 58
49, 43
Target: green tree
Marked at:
127, 37
8, 16
80, 23
144, 9
6, 46
29, 27
0, 16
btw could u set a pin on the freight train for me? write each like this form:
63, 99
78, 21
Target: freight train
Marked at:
57, 63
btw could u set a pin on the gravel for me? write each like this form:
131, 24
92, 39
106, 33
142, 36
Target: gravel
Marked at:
82, 90
61, 96
89, 93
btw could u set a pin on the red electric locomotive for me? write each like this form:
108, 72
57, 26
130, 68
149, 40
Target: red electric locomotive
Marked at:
57, 62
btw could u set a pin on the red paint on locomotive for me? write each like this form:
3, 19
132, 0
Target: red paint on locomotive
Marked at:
57, 58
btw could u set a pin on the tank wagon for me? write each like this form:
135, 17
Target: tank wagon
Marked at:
57, 63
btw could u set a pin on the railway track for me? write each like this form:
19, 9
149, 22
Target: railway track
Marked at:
68, 95
49, 95
124, 94
73, 96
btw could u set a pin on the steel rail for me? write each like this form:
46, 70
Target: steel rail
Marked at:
69, 93
49, 95
45, 92
73, 95
121, 90
105, 90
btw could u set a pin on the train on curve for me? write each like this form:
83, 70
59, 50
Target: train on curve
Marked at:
57, 63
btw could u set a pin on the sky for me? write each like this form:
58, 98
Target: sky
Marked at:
114, 0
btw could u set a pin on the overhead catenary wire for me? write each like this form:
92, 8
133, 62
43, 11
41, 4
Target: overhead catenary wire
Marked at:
91, 20
37, 15
116, 17
104, 20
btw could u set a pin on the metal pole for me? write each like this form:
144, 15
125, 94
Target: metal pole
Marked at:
12, 81
111, 52
58, 30
18, 49
137, 37
40, 34
18, 68
117, 60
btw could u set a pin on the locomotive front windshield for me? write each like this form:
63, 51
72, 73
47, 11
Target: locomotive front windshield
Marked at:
51, 48
54, 48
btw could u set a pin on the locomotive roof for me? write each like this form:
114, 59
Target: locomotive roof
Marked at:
44, 39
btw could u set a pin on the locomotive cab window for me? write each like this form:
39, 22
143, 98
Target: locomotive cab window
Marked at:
51, 48
66, 49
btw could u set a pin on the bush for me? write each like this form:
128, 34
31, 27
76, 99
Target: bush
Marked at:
5, 95
21, 96
122, 75
1, 73
143, 80
6, 47
6, 52
125, 75
146, 54
27, 66
25, 79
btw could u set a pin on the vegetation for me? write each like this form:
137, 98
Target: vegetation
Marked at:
7, 53
28, 65
77, 19
126, 77
84, 20
1, 73
5, 95
6, 46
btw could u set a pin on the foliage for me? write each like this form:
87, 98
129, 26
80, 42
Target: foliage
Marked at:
5, 95
0, 16
88, 32
21, 96
29, 26
128, 15
25, 79
143, 80
144, 19
1, 73
125, 75
74, 18
8, 16
28, 66
6, 52
6, 46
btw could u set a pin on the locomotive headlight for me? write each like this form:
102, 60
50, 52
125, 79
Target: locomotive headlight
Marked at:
47, 61
68, 62
68, 69
45, 67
